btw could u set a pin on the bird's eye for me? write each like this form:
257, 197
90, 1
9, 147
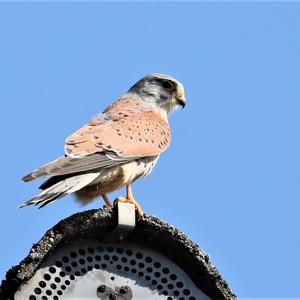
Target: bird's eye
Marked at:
167, 84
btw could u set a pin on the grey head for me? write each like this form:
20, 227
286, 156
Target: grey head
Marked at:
160, 90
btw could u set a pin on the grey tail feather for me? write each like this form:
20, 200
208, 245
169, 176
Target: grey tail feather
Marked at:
60, 187
43, 200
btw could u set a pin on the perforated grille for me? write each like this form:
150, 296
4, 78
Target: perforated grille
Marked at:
89, 269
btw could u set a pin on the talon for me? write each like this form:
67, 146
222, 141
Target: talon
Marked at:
132, 201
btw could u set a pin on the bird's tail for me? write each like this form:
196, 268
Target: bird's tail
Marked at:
60, 189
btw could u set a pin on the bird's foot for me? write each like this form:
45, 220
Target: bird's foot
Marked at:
132, 201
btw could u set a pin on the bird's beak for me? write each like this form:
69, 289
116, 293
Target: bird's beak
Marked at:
180, 97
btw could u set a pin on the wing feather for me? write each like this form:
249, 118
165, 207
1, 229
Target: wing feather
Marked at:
127, 127
72, 165
126, 131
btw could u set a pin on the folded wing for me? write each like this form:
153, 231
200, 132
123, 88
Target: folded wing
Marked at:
127, 127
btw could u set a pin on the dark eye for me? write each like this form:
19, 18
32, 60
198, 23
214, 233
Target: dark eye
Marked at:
167, 84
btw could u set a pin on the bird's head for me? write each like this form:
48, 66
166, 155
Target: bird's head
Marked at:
162, 91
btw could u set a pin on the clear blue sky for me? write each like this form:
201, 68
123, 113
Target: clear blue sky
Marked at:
230, 179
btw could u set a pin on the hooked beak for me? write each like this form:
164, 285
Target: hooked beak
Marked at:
180, 98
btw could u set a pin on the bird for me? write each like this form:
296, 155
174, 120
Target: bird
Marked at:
115, 148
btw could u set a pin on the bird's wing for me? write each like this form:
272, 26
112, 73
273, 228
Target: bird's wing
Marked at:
127, 128
126, 131
67, 165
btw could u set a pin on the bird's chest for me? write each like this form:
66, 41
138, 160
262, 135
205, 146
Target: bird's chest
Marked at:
139, 168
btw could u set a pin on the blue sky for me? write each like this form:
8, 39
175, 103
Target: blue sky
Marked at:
230, 179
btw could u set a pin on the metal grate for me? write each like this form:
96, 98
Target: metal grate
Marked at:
91, 270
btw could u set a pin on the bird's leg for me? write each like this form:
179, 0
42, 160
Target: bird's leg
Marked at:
106, 200
130, 199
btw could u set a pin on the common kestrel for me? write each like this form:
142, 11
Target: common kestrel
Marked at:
115, 148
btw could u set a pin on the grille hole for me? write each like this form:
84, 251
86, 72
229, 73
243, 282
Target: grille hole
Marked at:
59, 264
68, 269
74, 264
73, 254
42, 284
37, 291
62, 274
91, 250
129, 252
132, 262
81, 251
186, 292
65, 259
120, 250
53, 286
47, 277
82, 261
32, 297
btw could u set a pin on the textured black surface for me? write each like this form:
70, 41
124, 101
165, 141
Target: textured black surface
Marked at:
150, 231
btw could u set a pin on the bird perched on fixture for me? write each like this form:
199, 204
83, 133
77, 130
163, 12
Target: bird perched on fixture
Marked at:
117, 147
